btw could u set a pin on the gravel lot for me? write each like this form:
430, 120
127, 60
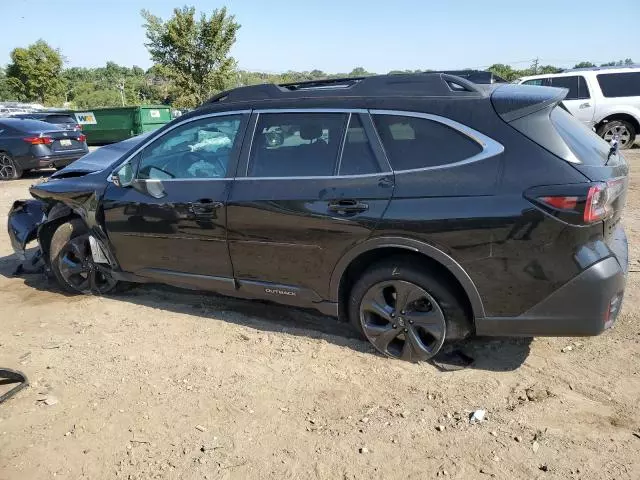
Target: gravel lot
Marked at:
163, 383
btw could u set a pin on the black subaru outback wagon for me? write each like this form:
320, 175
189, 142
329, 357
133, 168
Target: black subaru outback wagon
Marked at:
423, 208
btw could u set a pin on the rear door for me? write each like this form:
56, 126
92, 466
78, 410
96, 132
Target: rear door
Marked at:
170, 224
310, 187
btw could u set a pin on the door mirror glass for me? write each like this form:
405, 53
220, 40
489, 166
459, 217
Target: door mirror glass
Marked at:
123, 176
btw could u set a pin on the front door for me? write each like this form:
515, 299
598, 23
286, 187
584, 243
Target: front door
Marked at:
170, 224
312, 187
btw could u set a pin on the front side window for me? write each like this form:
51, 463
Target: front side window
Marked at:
620, 84
413, 142
199, 149
296, 144
536, 81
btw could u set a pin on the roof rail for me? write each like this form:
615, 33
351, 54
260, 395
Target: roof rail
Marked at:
414, 84
608, 67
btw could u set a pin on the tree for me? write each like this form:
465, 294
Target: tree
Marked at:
34, 74
584, 65
5, 89
194, 51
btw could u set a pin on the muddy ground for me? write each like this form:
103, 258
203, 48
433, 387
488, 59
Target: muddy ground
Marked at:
162, 383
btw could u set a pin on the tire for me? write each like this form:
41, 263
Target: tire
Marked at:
72, 264
417, 332
9, 169
618, 127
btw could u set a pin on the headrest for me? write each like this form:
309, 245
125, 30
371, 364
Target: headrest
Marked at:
310, 131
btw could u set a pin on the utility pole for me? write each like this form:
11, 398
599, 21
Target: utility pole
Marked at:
534, 65
121, 88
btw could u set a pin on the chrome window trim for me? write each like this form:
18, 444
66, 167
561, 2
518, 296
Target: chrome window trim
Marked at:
311, 110
173, 127
323, 177
490, 148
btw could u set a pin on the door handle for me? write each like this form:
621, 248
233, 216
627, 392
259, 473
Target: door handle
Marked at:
585, 105
204, 206
347, 206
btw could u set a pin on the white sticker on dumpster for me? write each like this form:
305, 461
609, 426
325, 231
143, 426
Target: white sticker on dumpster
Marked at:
86, 118
154, 113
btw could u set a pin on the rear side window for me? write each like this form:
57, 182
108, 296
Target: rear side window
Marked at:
412, 142
296, 144
576, 84
619, 84
357, 157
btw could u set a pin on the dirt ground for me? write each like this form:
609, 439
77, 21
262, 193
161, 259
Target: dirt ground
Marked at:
163, 383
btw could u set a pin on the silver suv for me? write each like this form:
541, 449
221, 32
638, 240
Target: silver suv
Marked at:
604, 98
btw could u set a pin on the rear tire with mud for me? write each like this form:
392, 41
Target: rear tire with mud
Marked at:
72, 263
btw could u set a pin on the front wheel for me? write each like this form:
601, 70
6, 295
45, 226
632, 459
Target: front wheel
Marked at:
72, 263
623, 130
406, 312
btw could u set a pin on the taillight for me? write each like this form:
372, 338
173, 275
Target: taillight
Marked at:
82, 137
579, 203
595, 208
39, 140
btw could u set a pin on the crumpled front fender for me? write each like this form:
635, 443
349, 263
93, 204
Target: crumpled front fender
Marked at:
25, 217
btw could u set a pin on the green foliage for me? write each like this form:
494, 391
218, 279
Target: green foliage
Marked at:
195, 52
5, 90
34, 73
584, 65
620, 63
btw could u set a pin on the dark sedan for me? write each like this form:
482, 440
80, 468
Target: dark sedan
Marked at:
27, 144
62, 120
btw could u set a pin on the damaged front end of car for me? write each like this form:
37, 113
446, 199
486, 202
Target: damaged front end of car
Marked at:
55, 202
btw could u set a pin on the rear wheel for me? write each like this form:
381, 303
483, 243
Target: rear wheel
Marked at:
620, 128
72, 263
404, 311
9, 169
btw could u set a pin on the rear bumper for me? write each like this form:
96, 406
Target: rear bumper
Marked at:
586, 305
47, 161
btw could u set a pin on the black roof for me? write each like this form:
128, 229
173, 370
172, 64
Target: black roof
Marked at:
425, 85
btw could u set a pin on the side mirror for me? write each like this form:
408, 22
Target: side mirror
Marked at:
123, 176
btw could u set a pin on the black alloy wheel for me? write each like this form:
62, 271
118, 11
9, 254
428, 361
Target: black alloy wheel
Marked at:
77, 269
402, 320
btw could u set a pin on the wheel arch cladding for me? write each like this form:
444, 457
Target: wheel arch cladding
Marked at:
361, 257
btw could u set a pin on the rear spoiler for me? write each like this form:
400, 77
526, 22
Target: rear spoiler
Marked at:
512, 102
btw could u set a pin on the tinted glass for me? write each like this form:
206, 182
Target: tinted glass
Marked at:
412, 142
536, 81
576, 85
296, 144
27, 125
199, 149
620, 84
357, 157
588, 147
62, 119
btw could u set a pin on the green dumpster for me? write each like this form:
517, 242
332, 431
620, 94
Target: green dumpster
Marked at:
109, 125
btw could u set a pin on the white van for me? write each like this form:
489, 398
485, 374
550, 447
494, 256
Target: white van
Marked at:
605, 98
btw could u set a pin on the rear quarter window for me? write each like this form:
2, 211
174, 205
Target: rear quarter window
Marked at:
412, 142
619, 84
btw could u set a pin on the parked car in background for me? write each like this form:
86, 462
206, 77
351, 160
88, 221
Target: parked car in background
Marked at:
62, 120
27, 144
422, 208
605, 98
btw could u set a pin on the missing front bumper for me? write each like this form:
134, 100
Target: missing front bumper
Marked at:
25, 217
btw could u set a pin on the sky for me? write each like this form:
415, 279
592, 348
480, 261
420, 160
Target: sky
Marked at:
338, 35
